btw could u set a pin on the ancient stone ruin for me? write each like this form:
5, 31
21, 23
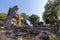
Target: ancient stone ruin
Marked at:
13, 19
17, 29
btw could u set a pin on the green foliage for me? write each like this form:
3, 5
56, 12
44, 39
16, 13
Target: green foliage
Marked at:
25, 16
50, 15
34, 19
2, 18
58, 12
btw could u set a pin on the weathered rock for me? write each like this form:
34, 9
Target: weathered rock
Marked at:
13, 19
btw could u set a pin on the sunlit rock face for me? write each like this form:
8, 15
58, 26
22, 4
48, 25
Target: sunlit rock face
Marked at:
13, 18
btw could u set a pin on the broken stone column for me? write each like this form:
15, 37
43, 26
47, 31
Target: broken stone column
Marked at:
12, 18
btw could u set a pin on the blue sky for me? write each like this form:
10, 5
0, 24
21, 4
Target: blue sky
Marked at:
27, 6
